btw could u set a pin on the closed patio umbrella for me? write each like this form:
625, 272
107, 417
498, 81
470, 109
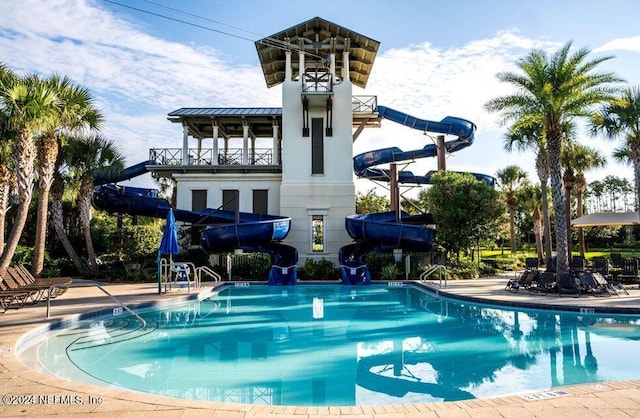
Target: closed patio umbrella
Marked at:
169, 244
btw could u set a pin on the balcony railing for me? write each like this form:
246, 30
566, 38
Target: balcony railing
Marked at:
233, 156
364, 104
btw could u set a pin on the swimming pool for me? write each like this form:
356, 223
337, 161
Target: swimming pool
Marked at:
339, 345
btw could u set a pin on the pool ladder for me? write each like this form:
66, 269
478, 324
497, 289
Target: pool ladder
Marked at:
106, 292
440, 269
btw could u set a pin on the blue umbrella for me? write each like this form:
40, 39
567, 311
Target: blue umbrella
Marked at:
169, 243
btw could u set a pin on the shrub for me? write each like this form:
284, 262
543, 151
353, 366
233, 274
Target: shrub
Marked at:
318, 270
250, 266
376, 261
389, 272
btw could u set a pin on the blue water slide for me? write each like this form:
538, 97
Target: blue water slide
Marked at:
223, 230
122, 175
383, 231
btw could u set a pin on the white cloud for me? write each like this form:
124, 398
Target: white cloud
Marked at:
628, 44
139, 78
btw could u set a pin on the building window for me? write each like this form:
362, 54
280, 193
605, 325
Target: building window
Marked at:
231, 200
261, 202
317, 146
317, 233
198, 203
198, 200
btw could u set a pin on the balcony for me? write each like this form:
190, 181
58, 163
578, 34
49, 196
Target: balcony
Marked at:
170, 160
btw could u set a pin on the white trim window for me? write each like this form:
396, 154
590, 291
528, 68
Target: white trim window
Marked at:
318, 233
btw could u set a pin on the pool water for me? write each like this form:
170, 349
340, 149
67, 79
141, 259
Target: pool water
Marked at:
329, 345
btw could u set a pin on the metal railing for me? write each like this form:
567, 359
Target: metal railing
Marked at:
364, 104
317, 82
106, 292
440, 269
233, 156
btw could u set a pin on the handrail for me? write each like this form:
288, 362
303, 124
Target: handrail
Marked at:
435, 268
207, 270
106, 292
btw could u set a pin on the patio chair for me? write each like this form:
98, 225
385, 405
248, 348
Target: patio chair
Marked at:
26, 275
546, 283
594, 284
629, 273
568, 284
14, 298
577, 264
18, 277
526, 278
601, 265
616, 260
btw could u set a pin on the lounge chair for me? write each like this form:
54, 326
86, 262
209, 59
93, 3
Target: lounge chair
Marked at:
524, 281
602, 266
19, 278
14, 298
616, 260
526, 278
595, 284
577, 264
546, 283
569, 284
630, 272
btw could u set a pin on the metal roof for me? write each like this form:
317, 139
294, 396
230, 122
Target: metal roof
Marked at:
227, 111
230, 120
318, 38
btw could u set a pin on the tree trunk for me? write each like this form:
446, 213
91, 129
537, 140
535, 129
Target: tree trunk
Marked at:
4, 207
84, 204
512, 231
581, 186
636, 179
57, 217
24, 156
58, 223
542, 168
569, 181
47, 155
557, 194
537, 232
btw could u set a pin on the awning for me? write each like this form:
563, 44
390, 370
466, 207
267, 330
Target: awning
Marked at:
607, 219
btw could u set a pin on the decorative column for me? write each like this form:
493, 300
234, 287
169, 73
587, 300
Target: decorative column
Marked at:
245, 142
214, 151
276, 143
288, 73
185, 145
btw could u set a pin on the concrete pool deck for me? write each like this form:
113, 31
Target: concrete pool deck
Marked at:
51, 396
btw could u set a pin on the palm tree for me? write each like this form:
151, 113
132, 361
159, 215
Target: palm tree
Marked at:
530, 200
511, 179
552, 91
623, 119
596, 190
532, 138
86, 158
577, 159
29, 105
77, 112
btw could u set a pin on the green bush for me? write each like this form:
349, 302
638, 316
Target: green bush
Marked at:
318, 270
376, 261
390, 272
251, 267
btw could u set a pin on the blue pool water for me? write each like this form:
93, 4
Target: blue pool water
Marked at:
337, 345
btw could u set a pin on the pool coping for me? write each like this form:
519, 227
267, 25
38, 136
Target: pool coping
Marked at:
17, 378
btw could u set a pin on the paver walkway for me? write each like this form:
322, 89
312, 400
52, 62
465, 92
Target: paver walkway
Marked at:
28, 392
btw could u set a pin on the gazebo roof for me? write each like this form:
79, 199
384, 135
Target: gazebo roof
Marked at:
318, 38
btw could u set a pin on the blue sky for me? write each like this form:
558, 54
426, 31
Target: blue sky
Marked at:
436, 58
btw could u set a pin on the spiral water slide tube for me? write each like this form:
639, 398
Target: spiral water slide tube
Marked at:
382, 231
223, 231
